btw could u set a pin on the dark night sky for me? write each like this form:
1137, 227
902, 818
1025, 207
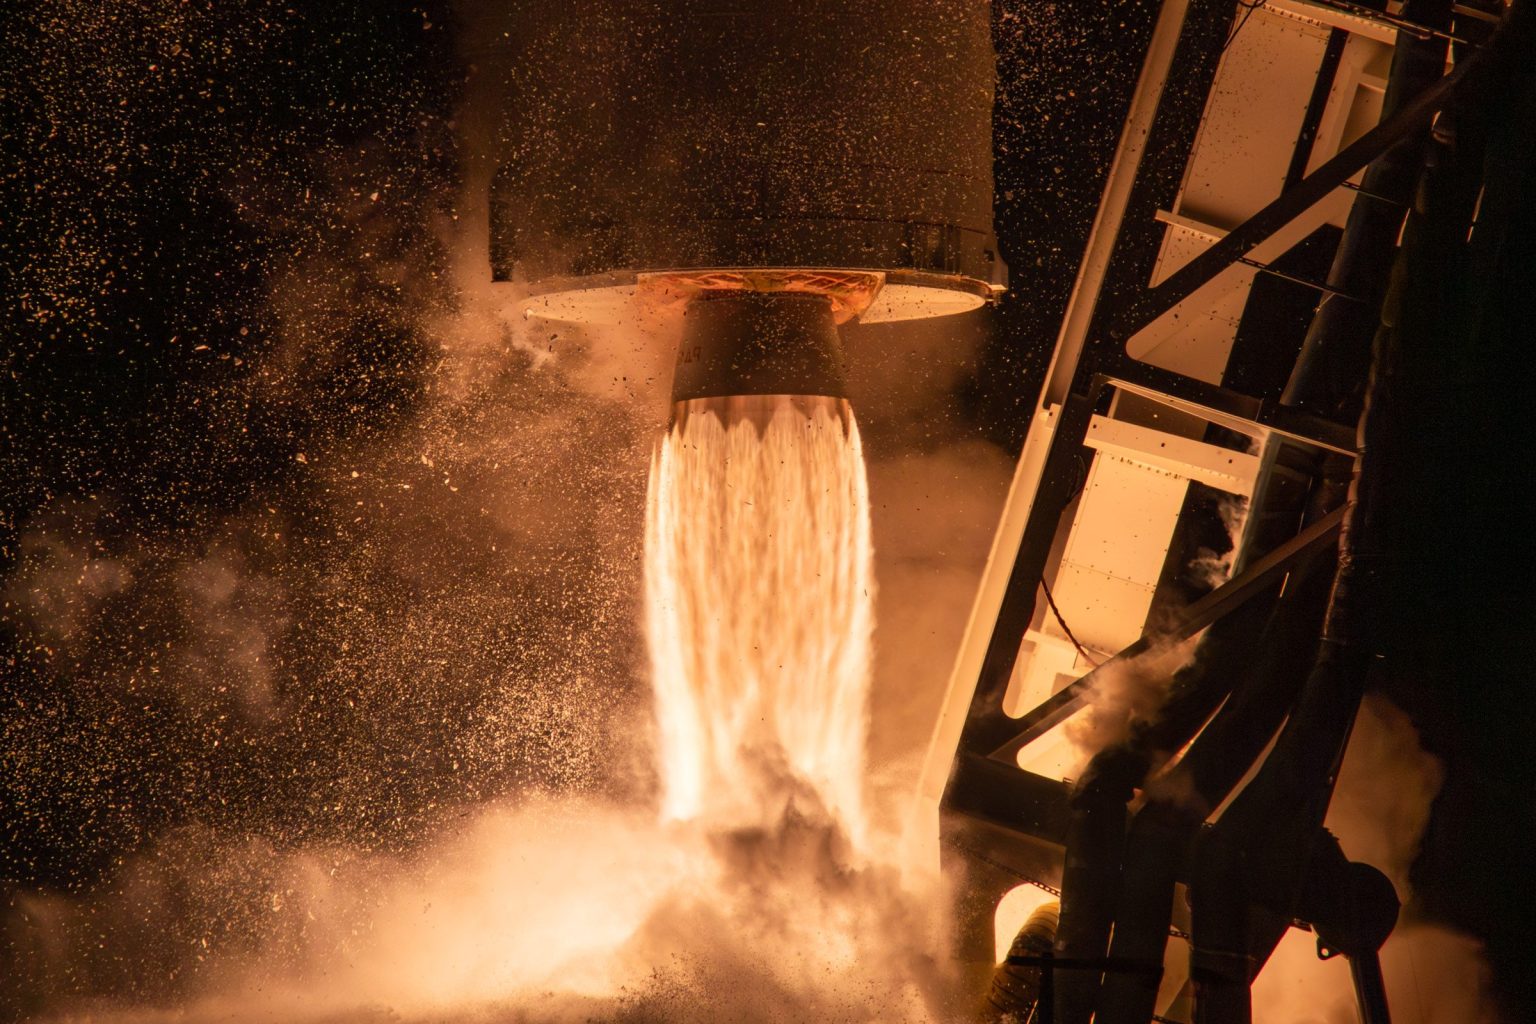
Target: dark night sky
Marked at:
177, 164
231, 478
222, 267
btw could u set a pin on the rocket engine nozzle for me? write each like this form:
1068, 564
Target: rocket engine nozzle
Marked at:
759, 343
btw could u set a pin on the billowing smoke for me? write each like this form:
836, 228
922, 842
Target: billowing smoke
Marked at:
1211, 568
326, 606
1126, 693
1379, 810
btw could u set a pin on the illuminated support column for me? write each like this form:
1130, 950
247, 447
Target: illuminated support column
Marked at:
923, 829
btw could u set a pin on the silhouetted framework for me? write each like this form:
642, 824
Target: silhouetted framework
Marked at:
1291, 636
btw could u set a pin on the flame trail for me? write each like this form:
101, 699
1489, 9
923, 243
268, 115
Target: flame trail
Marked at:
759, 606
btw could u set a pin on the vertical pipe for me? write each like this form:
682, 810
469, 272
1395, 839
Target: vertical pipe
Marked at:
1370, 990
1224, 930
1337, 349
1156, 848
1090, 885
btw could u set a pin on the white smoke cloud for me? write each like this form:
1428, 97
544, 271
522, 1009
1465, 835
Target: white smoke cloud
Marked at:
1124, 693
549, 910
1380, 807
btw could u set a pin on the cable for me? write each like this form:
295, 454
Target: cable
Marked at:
1250, 8
1077, 488
1050, 600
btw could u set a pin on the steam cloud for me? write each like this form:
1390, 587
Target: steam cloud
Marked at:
1379, 809
360, 727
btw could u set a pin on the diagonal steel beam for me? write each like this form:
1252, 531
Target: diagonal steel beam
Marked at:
1061, 705
1243, 239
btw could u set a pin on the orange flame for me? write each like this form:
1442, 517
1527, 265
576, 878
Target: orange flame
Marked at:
760, 595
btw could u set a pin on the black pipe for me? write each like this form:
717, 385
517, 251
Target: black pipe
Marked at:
1370, 990
1158, 846
1090, 880
1337, 350
1219, 965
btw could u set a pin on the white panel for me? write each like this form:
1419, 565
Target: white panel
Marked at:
1252, 119
1222, 468
1195, 338
1046, 663
1053, 755
1116, 550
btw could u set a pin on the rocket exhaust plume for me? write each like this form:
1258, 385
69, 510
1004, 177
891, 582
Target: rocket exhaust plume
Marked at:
759, 589
634, 181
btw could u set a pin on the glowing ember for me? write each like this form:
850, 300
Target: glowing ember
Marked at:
760, 611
